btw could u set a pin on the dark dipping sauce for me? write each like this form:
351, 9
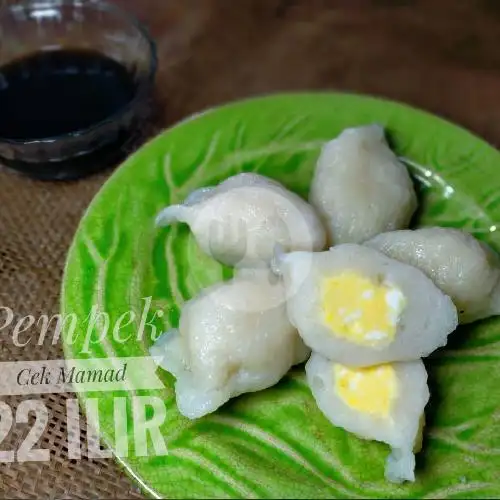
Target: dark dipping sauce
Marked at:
50, 94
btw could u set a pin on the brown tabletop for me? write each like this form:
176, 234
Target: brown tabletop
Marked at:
439, 55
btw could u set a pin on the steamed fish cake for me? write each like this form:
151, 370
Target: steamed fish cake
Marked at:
233, 338
360, 188
463, 267
356, 306
240, 221
383, 403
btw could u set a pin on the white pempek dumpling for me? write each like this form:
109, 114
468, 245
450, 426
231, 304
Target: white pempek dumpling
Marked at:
360, 188
381, 403
463, 267
356, 306
233, 338
240, 221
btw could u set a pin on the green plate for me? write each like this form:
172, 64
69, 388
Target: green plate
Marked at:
276, 442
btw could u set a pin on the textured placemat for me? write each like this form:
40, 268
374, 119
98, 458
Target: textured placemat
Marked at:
37, 221
432, 54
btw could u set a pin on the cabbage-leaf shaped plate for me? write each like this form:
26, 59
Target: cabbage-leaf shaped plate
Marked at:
276, 443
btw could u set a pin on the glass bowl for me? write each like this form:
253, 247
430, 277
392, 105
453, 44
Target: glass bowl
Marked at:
34, 25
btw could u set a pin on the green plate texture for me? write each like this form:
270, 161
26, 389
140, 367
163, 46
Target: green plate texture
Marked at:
276, 443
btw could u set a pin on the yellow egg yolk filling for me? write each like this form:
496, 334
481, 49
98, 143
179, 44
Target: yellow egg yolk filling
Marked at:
361, 310
368, 390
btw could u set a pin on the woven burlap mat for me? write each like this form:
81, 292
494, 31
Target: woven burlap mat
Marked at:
37, 222
432, 54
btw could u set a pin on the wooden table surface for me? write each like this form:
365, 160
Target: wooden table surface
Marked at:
440, 55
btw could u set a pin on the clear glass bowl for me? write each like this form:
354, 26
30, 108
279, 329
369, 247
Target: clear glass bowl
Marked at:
34, 25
